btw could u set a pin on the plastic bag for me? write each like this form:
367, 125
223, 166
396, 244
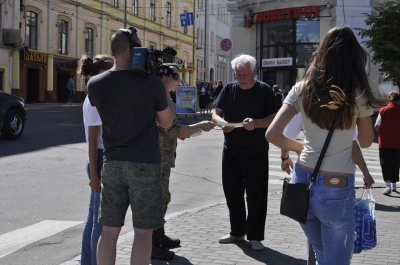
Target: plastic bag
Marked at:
365, 222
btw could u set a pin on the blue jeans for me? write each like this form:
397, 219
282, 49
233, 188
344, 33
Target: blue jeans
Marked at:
92, 230
331, 225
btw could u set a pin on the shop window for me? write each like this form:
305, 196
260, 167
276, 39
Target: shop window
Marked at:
277, 32
63, 37
304, 53
31, 29
307, 30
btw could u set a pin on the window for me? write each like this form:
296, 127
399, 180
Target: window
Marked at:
169, 10
31, 29
307, 30
116, 3
135, 7
212, 41
198, 38
153, 10
89, 41
62, 37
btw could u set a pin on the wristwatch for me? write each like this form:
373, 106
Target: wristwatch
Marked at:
285, 158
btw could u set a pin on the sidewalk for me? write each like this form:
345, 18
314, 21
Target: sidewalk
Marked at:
199, 230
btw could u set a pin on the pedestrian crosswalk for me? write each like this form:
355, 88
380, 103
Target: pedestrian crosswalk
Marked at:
17, 239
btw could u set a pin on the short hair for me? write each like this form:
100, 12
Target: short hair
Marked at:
394, 96
242, 59
119, 43
275, 88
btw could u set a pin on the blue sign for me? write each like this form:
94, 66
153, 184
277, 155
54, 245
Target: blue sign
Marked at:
186, 100
226, 44
187, 19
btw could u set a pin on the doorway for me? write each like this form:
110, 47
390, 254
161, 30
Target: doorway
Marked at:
278, 76
33, 85
62, 90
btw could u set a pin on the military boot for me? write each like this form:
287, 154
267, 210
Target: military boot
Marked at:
159, 238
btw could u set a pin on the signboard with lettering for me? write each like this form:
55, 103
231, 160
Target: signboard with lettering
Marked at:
29, 56
277, 62
186, 100
288, 13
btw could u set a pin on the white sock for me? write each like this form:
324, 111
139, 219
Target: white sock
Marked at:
388, 185
393, 185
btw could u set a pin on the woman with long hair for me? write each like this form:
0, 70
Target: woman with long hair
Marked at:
90, 67
334, 93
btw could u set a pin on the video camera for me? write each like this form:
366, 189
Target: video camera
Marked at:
149, 60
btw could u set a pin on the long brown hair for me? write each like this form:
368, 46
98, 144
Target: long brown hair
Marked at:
330, 85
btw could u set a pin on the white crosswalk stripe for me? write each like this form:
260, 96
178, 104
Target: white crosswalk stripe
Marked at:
17, 239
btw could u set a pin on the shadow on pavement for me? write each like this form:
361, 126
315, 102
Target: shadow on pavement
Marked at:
177, 260
48, 125
269, 256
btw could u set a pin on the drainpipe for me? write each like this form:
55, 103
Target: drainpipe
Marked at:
205, 42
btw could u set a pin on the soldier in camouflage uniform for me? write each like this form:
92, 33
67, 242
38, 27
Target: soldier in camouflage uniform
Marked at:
168, 144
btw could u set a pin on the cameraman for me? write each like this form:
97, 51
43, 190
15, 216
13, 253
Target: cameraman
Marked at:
168, 144
129, 106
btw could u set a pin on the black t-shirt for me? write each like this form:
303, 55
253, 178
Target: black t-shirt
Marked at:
238, 104
127, 104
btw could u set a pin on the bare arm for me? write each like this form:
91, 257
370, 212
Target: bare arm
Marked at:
359, 160
275, 134
365, 132
187, 130
93, 133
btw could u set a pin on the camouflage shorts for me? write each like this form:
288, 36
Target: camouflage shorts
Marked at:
135, 184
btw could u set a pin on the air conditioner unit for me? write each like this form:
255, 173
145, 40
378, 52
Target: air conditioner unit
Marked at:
11, 37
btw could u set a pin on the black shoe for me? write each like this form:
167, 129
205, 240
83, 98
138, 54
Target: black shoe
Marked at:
160, 253
168, 242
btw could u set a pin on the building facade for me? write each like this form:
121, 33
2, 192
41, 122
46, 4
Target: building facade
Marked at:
42, 40
212, 27
284, 34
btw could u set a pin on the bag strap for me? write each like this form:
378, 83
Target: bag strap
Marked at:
323, 151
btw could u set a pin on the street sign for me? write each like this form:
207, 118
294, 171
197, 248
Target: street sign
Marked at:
187, 19
226, 44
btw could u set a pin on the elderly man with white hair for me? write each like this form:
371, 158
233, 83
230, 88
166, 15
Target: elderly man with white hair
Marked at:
245, 109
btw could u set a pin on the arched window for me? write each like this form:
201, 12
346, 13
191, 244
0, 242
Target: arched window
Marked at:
89, 41
32, 29
169, 12
63, 36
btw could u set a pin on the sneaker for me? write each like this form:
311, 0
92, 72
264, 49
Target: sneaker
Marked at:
256, 245
230, 239
394, 187
387, 191
160, 253
168, 242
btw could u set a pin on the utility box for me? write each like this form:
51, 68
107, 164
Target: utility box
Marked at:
11, 37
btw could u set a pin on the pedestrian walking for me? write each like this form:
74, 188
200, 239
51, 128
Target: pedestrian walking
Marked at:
388, 127
71, 87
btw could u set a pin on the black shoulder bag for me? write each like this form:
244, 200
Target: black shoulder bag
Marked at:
295, 197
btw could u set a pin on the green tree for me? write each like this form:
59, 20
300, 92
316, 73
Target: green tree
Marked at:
383, 38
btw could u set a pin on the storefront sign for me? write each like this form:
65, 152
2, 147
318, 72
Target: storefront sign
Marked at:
288, 13
221, 59
34, 57
69, 63
186, 99
189, 66
277, 62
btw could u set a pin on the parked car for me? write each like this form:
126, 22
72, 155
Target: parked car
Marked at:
12, 116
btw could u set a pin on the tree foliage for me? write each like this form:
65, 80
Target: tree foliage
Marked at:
383, 38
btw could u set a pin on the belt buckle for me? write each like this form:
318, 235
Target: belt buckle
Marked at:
335, 181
